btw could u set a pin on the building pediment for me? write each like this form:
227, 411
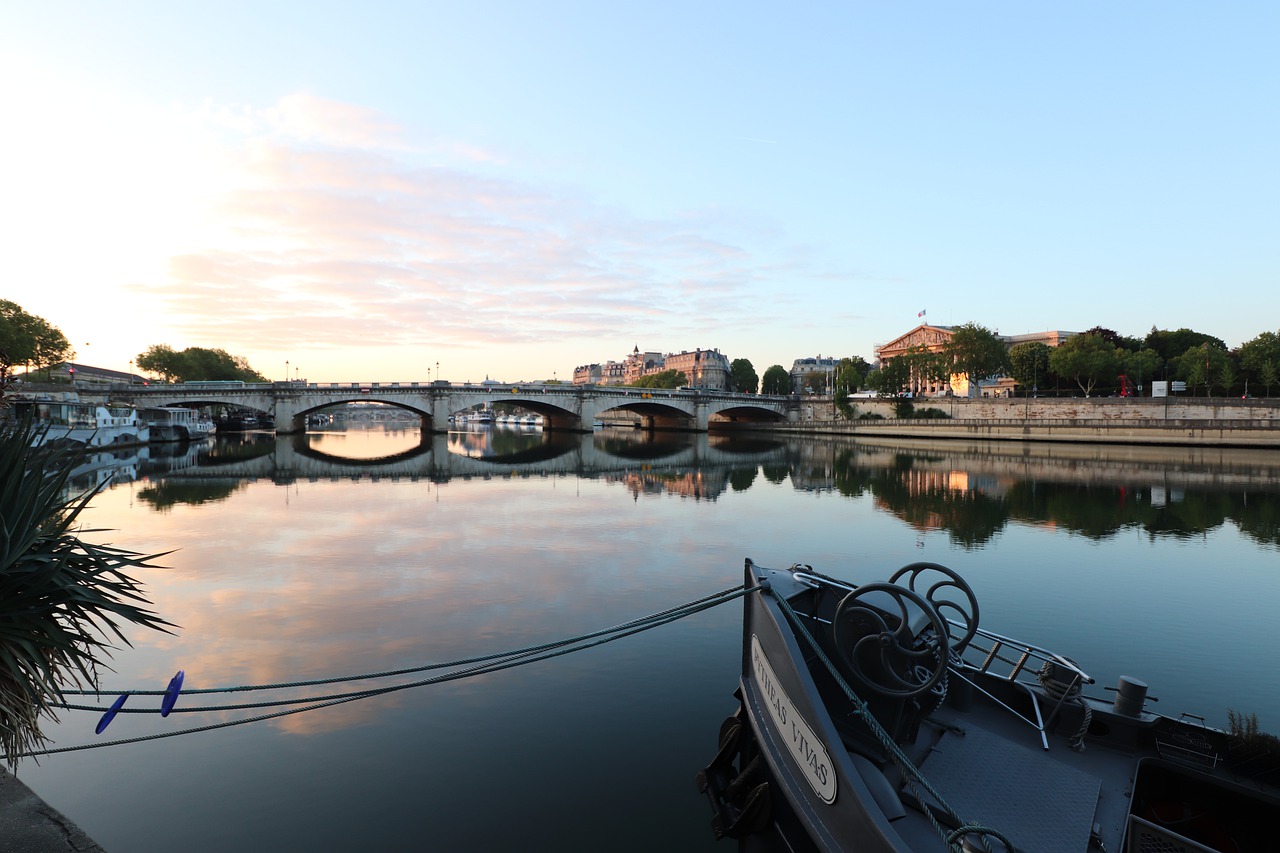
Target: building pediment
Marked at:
924, 335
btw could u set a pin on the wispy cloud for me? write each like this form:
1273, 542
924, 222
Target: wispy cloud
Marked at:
338, 231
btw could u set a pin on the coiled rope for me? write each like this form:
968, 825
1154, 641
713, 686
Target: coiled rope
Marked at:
480, 665
1067, 692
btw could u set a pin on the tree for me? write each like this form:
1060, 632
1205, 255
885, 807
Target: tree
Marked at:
975, 352
815, 381
891, 379
664, 379
197, 364
1174, 344
29, 340
1206, 364
777, 380
1029, 364
850, 375
1260, 357
743, 376
1121, 341
1140, 365
1088, 359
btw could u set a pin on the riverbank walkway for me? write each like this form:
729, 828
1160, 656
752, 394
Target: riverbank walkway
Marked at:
30, 825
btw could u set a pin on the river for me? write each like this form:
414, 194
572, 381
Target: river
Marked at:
362, 549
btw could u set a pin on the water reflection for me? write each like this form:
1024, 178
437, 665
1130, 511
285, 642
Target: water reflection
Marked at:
970, 491
369, 550
974, 491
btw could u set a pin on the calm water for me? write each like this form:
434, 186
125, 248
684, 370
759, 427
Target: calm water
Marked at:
365, 549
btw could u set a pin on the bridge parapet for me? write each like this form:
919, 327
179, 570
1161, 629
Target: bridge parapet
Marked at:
565, 407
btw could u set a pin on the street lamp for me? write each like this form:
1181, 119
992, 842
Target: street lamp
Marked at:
286, 371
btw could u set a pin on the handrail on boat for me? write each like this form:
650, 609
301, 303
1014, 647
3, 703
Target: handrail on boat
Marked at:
1024, 652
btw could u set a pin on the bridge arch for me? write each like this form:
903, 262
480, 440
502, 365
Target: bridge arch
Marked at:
564, 407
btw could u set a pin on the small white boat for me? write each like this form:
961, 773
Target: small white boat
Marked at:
174, 423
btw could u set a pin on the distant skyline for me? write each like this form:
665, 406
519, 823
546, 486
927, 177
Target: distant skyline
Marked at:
514, 189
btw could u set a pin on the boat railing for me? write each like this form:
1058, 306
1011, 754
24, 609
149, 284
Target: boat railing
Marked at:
1023, 665
1016, 662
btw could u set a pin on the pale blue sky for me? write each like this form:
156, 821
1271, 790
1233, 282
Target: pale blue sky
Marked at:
513, 189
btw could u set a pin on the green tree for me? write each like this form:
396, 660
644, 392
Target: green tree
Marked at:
1141, 366
891, 379
777, 380
851, 374
1029, 364
1121, 341
29, 340
1173, 344
1260, 358
195, 364
815, 381
1205, 364
975, 352
1087, 359
743, 376
663, 379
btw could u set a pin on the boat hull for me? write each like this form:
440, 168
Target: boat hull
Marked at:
919, 733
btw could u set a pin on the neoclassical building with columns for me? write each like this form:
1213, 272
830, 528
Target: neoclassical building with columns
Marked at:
934, 338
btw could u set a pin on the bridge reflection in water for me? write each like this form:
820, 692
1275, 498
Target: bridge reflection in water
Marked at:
487, 453
971, 490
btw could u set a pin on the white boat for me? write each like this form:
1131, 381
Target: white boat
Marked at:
173, 423
65, 417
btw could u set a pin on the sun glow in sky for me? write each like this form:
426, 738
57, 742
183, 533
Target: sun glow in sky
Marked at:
512, 189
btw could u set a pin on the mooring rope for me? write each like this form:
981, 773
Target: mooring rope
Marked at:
474, 666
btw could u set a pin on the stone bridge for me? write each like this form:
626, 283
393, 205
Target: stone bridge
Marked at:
573, 408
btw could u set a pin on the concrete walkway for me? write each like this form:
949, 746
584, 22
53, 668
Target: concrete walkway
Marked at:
30, 825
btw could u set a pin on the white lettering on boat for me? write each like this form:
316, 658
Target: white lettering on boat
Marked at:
803, 744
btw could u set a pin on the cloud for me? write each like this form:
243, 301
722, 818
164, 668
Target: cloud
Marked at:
335, 230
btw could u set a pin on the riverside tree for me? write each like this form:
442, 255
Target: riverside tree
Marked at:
28, 340
663, 379
1206, 364
975, 352
1261, 358
1087, 359
777, 380
1029, 364
195, 364
743, 376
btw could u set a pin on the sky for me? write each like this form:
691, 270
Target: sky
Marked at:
383, 191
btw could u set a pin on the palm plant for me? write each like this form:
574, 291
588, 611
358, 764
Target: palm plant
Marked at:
62, 599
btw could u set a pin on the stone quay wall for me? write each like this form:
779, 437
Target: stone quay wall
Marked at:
1209, 422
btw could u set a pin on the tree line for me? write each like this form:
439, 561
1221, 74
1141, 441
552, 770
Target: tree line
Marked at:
1097, 361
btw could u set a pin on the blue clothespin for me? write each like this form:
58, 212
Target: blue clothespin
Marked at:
171, 694
111, 714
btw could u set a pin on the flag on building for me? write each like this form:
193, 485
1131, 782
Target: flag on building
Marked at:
921, 314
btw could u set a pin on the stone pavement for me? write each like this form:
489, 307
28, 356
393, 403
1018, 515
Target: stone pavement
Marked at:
30, 825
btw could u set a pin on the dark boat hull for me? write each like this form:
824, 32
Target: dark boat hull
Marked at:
809, 764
